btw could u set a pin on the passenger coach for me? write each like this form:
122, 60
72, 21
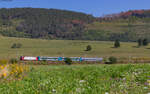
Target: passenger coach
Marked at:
42, 58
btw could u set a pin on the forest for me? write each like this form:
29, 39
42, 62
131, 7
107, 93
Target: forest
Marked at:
64, 24
43, 23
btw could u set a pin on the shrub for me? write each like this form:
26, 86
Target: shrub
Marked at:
68, 61
117, 44
12, 71
14, 45
13, 61
140, 42
111, 60
88, 48
18, 45
44, 62
145, 42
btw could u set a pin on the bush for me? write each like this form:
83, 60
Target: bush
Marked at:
18, 45
117, 44
14, 45
140, 42
145, 42
12, 71
13, 61
111, 60
88, 48
68, 61
44, 62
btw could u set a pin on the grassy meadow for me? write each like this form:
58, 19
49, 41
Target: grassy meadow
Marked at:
74, 79
139, 26
82, 79
67, 48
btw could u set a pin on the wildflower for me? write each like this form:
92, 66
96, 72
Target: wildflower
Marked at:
21, 70
124, 79
53, 90
78, 90
106, 93
121, 85
13, 70
89, 87
2, 67
82, 81
4, 74
145, 87
148, 81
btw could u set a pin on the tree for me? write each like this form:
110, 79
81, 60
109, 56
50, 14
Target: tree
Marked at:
117, 44
14, 45
46, 23
13, 61
145, 42
88, 48
140, 42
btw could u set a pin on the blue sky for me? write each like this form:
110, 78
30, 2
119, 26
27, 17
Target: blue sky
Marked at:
94, 7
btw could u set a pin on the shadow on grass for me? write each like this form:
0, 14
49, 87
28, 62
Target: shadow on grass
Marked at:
86, 50
135, 46
115, 47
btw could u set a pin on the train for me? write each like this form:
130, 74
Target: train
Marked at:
42, 58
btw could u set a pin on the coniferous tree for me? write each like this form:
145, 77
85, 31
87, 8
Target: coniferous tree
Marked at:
145, 42
140, 42
117, 44
14, 45
88, 48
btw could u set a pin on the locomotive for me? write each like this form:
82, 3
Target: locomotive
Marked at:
42, 58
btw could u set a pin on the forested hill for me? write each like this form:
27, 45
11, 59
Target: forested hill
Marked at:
43, 23
63, 24
125, 26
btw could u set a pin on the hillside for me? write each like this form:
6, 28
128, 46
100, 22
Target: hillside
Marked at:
43, 23
63, 24
119, 29
125, 26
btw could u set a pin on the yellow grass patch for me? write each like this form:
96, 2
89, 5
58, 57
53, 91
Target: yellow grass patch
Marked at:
12, 71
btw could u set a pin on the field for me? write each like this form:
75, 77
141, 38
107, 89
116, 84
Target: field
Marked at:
66, 48
83, 79
132, 31
75, 79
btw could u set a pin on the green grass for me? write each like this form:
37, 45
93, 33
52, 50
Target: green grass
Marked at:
83, 79
138, 29
120, 26
67, 48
